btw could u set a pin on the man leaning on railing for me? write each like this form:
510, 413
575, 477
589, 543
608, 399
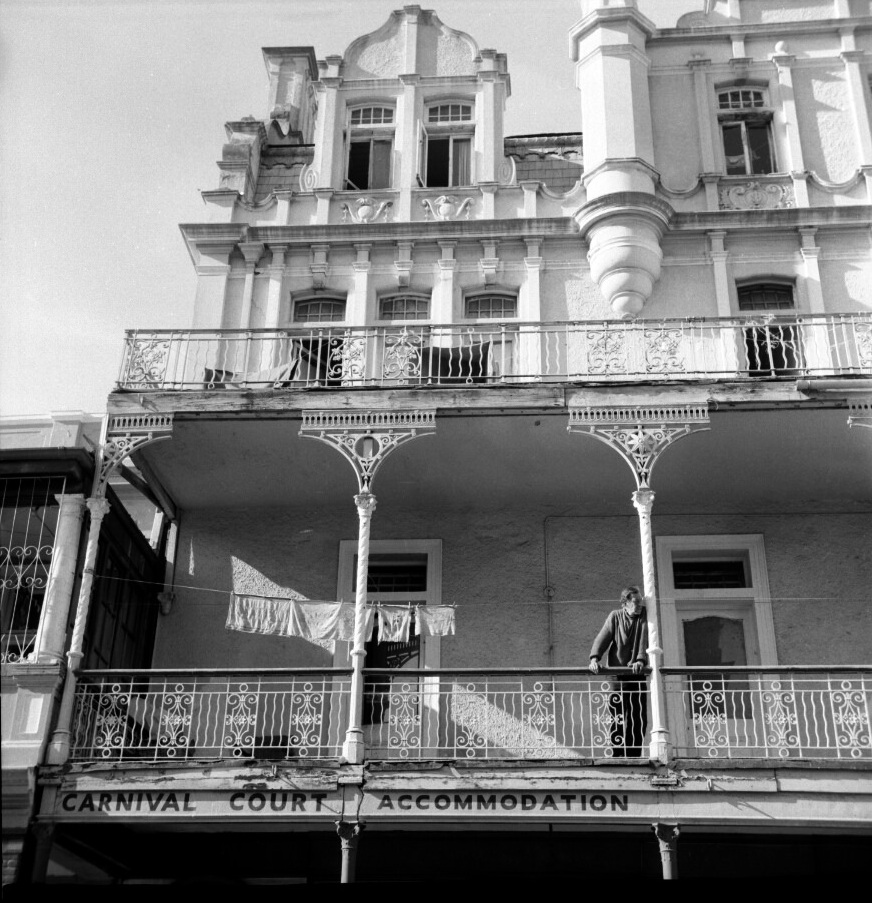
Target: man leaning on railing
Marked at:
625, 637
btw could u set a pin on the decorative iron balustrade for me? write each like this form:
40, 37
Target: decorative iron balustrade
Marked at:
505, 715
467, 714
28, 525
499, 352
771, 713
206, 714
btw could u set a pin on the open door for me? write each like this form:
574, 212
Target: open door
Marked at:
399, 712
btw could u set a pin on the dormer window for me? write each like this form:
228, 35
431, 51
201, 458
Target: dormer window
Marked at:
370, 145
446, 146
745, 123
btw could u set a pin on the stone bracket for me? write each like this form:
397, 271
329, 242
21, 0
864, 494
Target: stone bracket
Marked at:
639, 435
125, 435
366, 438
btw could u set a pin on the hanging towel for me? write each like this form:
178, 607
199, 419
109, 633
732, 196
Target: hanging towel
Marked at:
254, 614
393, 623
434, 620
345, 626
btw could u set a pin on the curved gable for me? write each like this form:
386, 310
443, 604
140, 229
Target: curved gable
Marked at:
439, 50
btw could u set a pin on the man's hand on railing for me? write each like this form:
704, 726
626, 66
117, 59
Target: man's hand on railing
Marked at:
638, 667
594, 666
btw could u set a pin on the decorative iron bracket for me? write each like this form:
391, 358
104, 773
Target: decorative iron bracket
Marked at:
861, 412
125, 435
366, 438
639, 435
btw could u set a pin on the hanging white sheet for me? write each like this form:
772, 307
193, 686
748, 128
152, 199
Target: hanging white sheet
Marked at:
310, 620
434, 620
393, 623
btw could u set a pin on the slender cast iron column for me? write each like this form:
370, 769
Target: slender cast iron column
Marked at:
667, 837
353, 748
348, 832
643, 499
59, 749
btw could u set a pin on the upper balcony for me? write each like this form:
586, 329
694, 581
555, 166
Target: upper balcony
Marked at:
785, 714
494, 353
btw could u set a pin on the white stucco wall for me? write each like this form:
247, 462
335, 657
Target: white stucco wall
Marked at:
494, 569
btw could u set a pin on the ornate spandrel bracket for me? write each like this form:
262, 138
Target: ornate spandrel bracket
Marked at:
639, 435
366, 438
861, 412
124, 436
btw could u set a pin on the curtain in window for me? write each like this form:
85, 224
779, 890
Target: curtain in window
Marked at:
462, 168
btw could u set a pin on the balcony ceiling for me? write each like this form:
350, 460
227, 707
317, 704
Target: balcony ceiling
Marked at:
749, 461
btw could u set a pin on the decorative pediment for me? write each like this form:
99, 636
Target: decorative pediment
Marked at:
438, 50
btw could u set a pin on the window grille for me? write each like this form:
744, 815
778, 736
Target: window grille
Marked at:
404, 307
319, 310
740, 99
716, 574
450, 112
765, 296
491, 306
366, 116
28, 525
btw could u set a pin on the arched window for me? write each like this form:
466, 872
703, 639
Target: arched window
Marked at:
319, 310
446, 145
370, 143
408, 306
491, 306
745, 123
765, 296
773, 347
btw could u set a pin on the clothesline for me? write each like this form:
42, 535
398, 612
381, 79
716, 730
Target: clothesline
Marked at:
610, 600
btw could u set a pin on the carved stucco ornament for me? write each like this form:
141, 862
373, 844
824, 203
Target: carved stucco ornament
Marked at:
756, 195
446, 207
367, 211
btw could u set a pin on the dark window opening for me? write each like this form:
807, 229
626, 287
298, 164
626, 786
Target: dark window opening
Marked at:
765, 296
711, 574
369, 165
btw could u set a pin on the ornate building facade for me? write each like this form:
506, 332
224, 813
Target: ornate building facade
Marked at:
493, 340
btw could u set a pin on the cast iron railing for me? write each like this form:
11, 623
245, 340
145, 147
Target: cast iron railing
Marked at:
746, 347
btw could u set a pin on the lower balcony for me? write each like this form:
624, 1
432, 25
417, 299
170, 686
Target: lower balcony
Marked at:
745, 347
799, 713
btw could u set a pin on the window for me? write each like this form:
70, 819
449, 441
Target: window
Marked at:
370, 145
745, 130
772, 347
400, 572
28, 523
491, 306
447, 146
404, 307
319, 310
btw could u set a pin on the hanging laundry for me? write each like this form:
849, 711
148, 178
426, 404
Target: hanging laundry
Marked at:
393, 623
255, 614
310, 620
434, 620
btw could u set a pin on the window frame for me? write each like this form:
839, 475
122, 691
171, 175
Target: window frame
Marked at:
753, 599
476, 294
369, 133
451, 130
390, 296
312, 299
776, 336
754, 114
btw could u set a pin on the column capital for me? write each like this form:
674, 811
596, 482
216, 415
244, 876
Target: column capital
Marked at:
366, 503
643, 499
98, 508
